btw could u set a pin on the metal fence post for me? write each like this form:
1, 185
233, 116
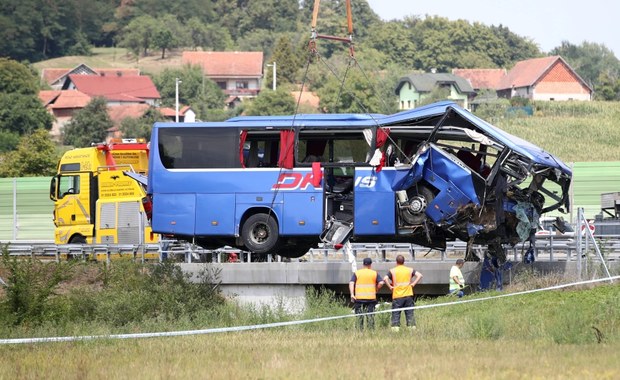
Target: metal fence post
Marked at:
14, 208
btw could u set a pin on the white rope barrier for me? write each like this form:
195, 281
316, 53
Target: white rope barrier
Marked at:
282, 324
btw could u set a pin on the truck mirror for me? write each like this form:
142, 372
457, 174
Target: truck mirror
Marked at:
53, 194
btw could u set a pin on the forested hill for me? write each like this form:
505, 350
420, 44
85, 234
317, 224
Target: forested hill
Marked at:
35, 30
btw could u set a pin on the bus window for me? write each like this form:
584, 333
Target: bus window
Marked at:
332, 146
201, 148
261, 150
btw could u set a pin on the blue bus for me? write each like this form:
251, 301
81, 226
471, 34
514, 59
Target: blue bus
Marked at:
282, 184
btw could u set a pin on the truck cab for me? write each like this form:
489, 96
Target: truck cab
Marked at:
97, 199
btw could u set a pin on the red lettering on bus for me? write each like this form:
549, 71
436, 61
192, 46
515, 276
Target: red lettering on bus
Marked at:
306, 182
287, 181
293, 181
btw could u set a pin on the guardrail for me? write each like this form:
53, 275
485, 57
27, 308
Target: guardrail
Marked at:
547, 248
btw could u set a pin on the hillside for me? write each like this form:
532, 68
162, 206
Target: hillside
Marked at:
116, 58
574, 131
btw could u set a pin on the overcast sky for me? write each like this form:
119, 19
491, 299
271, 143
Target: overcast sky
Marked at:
546, 22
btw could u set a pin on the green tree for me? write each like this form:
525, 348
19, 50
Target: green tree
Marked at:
593, 62
518, 48
273, 15
17, 78
230, 13
137, 36
355, 93
23, 114
36, 155
21, 111
8, 141
269, 102
197, 31
141, 127
82, 46
195, 89
218, 39
607, 87
89, 125
259, 40
394, 39
287, 61
168, 34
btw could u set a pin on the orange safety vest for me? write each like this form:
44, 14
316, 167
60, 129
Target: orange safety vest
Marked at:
366, 284
401, 278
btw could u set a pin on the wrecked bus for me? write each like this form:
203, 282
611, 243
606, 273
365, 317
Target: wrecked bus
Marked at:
282, 184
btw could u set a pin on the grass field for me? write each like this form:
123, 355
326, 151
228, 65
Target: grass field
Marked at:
542, 335
116, 58
573, 131
311, 355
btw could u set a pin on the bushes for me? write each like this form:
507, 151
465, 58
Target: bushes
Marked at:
30, 285
122, 294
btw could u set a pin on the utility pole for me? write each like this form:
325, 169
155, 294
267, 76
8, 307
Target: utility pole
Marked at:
176, 102
273, 87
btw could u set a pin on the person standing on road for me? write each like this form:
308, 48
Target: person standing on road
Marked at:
457, 282
401, 280
363, 287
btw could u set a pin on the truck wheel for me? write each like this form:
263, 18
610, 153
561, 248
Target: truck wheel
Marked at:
77, 239
260, 233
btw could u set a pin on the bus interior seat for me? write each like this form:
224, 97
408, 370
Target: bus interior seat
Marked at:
253, 160
342, 185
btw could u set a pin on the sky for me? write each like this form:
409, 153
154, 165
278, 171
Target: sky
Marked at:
546, 22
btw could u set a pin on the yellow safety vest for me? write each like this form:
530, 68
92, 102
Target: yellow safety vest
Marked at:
366, 284
401, 278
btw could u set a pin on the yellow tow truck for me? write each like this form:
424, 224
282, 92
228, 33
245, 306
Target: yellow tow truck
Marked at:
99, 195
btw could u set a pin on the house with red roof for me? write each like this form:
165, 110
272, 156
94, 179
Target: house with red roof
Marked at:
56, 78
186, 114
119, 113
62, 105
481, 79
237, 73
547, 78
116, 90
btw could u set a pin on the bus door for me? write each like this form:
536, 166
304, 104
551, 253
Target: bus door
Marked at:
339, 152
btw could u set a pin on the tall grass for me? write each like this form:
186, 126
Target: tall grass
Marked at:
573, 131
93, 298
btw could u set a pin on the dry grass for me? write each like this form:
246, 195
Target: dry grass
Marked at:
288, 354
117, 58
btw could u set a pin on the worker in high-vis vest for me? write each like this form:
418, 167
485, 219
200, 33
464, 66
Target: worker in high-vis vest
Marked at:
363, 287
401, 280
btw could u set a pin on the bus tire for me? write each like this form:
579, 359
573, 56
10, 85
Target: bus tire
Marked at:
420, 197
260, 233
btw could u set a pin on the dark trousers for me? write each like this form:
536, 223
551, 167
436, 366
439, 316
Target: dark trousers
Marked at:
365, 307
398, 303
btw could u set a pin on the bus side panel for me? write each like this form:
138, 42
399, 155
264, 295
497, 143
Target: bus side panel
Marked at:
303, 214
175, 213
374, 213
214, 214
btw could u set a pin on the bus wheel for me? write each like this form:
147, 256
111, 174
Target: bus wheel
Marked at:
419, 198
260, 233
